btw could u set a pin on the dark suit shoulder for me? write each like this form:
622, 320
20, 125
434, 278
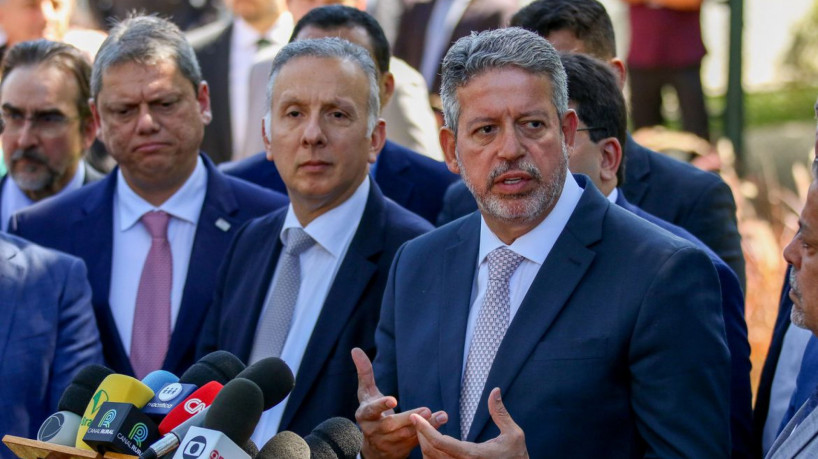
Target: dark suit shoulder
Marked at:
31, 254
256, 169
457, 202
253, 198
44, 220
402, 224
201, 37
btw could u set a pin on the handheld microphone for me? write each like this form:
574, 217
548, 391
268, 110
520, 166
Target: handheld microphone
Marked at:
287, 445
220, 366
250, 448
122, 428
228, 423
158, 379
191, 406
61, 427
335, 438
114, 388
272, 375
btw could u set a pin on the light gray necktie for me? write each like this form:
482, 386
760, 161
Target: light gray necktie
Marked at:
275, 325
492, 323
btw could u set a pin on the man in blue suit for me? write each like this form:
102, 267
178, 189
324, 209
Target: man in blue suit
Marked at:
151, 107
311, 305
47, 334
603, 333
676, 192
414, 181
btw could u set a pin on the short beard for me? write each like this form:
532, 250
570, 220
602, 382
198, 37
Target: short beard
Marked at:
797, 316
520, 208
44, 179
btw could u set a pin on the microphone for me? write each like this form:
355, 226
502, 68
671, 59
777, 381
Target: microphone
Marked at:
114, 388
61, 427
335, 438
250, 448
228, 423
220, 366
285, 445
158, 379
271, 375
192, 405
122, 428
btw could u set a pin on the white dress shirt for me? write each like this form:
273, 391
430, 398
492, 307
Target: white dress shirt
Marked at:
243, 50
333, 232
534, 246
132, 243
14, 199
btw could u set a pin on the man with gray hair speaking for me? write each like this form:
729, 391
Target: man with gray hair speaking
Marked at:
603, 333
320, 266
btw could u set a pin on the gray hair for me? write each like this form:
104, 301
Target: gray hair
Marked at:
480, 52
145, 40
328, 48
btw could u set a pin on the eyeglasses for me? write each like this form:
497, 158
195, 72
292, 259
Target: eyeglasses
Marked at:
46, 124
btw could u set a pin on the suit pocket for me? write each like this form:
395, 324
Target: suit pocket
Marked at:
576, 349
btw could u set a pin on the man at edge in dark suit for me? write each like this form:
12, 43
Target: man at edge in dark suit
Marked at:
154, 231
603, 333
317, 269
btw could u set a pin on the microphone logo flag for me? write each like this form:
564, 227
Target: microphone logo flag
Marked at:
107, 418
51, 427
195, 406
169, 392
139, 433
195, 447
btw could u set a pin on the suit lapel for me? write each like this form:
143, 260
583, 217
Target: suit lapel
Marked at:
351, 281
98, 219
389, 175
553, 285
637, 169
459, 263
213, 233
10, 277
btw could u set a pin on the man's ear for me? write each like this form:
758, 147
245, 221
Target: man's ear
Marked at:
265, 137
95, 119
618, 68
611, 151
376, 141
388, 83
448, 143
569, 124
203, 97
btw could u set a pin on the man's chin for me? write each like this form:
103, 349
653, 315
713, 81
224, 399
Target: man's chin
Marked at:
29, 182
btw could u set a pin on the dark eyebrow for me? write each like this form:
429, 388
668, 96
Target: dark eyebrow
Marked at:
50, 111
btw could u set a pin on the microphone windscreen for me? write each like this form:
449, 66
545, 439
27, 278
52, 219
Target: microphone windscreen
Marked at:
114, 388
236, 410
191, 406
335, 438
76, 396
287, 445
156, 379
219, 366
250, 448
274, 378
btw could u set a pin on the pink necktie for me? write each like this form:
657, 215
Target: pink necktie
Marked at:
151, 325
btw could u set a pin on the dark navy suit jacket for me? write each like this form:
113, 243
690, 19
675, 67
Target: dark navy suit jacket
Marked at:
48, 333
412, 180
617, 350
732, 303
326, 381
686, 196
81, 223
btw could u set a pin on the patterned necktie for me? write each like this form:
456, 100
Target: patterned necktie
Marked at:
275, 325
151, 324
492, 323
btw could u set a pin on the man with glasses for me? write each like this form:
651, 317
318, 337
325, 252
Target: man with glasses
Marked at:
48, 125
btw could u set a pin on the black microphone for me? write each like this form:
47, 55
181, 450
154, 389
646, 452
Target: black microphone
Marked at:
228, 423
335, 438
219, 366
61, 427
285, 445
250, 448
271, 375
121, 428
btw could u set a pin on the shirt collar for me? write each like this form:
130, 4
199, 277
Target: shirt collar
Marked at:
185, 204
332, 229
246, 36
536, 244
613, 196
